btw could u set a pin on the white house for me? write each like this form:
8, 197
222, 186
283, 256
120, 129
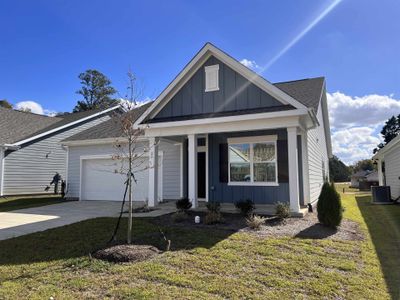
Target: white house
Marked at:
30, 149
388, 160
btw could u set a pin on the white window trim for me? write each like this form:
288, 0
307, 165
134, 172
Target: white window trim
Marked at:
208, 70
253, 140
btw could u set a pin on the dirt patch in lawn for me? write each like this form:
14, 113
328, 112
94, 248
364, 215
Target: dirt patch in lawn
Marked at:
126, 253
308, 227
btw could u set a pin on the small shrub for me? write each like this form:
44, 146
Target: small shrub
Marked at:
180, 216
255, 222
246, 207
282, 210
329, 206
183, 204
213, 217
213, 206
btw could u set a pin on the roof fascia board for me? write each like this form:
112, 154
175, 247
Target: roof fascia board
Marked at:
99, 141
247, 125
325, 114
237, 118
387, 148
195, 64
64, 126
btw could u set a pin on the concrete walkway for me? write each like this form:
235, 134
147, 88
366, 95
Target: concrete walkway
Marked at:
24, 221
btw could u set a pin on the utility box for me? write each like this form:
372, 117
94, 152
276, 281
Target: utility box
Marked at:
381, 194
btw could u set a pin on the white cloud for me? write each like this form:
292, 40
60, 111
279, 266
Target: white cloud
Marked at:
35, 108
250, 64
356, 123
369, 110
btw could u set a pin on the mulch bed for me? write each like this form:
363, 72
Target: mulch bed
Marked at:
126, 253
309, 227
306, 227
231, 222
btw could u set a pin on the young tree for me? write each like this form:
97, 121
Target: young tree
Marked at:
4, 103
132, 161
389, 131
96, 91
338, 171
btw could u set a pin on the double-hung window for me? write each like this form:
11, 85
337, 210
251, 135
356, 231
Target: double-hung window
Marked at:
253, 161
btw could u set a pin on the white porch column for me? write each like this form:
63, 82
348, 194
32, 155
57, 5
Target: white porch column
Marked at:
1, 170
153, 172
293, 169
380, 173
192, 169
306, 171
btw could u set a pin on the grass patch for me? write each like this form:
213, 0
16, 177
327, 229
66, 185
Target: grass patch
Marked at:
205, 263
20, 202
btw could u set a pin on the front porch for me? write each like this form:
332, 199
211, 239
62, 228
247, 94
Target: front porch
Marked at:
265, 166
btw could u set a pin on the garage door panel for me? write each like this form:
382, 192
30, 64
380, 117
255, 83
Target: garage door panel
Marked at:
102, 179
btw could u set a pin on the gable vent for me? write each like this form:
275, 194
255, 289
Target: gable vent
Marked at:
212, 80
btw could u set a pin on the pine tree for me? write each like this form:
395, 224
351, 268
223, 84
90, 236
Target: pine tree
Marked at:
96, 91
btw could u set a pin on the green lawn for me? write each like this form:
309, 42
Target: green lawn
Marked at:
209, 263
20, 202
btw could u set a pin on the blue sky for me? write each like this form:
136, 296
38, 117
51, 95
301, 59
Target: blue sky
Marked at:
44, 45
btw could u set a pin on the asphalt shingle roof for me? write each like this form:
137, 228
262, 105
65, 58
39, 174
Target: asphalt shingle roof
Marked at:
17, 125
108, 129
306, 91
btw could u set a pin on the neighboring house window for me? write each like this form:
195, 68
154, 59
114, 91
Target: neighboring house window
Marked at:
253, 161
212, 80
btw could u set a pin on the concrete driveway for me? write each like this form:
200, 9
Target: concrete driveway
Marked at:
29, 220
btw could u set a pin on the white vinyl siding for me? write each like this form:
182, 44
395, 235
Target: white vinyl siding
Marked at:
392, 170
170, 168
318, 159
29, 171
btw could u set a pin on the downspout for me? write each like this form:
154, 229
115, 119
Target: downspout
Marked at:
314, 118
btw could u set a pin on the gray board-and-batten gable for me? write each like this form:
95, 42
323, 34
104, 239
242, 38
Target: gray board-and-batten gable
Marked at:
235, 94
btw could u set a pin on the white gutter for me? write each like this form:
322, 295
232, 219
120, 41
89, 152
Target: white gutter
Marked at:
65, 126
99, 141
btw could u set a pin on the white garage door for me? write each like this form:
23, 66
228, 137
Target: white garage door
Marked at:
101, 180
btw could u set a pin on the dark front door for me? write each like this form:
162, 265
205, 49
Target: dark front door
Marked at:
201, 175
